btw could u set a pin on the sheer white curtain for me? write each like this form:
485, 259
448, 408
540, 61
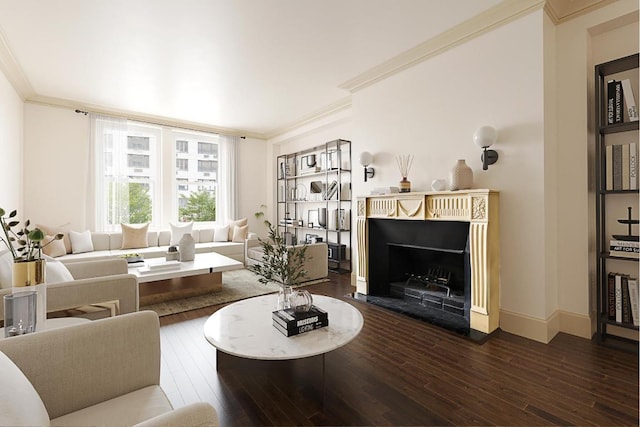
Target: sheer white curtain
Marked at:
109, 142
227, 208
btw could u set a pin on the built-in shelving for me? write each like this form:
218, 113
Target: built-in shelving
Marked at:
611, 203
314, 199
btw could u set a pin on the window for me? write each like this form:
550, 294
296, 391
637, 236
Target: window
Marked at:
182, 146
198, 201
182, 164
206, 166
137, 161
126, 179
138, 143
206, 148
132, 186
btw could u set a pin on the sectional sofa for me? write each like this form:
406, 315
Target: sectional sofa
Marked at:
108, 245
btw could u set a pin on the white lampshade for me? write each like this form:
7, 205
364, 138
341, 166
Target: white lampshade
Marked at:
366, 158
485, 136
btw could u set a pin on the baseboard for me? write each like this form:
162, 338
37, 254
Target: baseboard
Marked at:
543, 330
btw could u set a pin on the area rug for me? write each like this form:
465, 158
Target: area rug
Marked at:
236, 285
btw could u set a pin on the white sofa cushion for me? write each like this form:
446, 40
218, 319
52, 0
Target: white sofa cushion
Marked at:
81, 242
56, 272
233, 224
179, 230
20, 404
125, 410
53, 247
221, 233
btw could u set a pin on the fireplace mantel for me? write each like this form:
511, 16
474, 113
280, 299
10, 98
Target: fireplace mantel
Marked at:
477, 207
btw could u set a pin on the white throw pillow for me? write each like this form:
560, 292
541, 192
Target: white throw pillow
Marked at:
221, 233
20, 404
81, 242
56, 271
179, 230
6, 269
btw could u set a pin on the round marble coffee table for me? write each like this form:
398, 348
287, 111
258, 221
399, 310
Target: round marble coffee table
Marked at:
244, 329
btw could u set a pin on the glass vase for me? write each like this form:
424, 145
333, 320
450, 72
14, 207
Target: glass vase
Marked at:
30, 276
405, 185
284, 298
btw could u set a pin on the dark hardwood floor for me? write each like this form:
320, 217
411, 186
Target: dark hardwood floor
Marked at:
400, 371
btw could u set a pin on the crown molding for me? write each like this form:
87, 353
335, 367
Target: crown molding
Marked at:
503, 13
12, 70
334, 108
146, 118
564, 10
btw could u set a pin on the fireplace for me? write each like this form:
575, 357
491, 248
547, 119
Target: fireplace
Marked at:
433, 256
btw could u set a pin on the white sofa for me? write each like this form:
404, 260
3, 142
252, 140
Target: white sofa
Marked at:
107, 245
105, 372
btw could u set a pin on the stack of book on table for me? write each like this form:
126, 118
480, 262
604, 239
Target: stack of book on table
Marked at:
624, 248
290, 322
622, 293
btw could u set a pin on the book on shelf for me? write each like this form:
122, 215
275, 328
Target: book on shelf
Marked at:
626, 304
625, 166
622, 299
611, 296
290, 322
633, 166
630, 243
619, 116
629, 100
624, 254
621, 166
611, 101
632, 283
618, 293
608, 156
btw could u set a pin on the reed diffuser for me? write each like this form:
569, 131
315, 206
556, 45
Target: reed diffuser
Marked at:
404, 165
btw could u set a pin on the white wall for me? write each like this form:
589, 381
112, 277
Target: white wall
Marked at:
432, 109
56, 184
11, 124
577, 54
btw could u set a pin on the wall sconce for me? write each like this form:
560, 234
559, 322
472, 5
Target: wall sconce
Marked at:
365, 160
484, 137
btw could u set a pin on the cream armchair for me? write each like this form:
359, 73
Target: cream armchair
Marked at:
95, 282
100, 373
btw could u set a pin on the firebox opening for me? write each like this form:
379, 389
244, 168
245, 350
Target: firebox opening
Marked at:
422, 269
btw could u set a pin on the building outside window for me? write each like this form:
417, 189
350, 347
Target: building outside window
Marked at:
182, 164
182, 146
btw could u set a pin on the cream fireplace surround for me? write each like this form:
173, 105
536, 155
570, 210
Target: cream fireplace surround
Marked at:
480, 208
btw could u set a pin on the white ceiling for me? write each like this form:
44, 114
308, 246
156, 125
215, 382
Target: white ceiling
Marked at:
254, 66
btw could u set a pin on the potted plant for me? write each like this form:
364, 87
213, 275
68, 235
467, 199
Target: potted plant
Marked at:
28, 268
281, 264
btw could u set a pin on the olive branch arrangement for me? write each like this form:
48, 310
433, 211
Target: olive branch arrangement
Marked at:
28, 242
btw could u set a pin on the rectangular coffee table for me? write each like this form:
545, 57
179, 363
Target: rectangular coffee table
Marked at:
186, 279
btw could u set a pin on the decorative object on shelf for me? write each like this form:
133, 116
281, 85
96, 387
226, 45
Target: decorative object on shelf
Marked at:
28, 269
484, 137
281, 264
439, 184
187, 248
300, 300
404, 165
20, 313
460, 176
322, 217
366, 158
629, 237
